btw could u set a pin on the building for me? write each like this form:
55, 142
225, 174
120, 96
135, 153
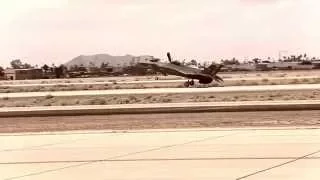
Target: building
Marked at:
316, 64
22, 74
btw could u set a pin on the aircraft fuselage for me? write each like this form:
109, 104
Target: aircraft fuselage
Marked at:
178, 70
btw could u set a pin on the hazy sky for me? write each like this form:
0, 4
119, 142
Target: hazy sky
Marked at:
45, 31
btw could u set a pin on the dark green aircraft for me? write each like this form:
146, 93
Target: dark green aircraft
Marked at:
205, 76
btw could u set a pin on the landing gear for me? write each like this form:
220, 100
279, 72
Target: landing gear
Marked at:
189, 83
192, 82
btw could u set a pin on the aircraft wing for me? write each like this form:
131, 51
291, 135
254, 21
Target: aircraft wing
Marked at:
178, 70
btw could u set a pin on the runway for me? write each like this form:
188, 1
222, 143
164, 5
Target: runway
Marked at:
203, 154
94, 83
32, 83
165, 90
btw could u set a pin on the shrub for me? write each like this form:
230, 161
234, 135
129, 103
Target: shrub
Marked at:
49, 96
305, 80
132, 98
97, 101
20, 105
294, 81
166, 100
254, 83
47, 104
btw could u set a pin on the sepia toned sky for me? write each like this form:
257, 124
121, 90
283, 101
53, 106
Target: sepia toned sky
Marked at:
46, 31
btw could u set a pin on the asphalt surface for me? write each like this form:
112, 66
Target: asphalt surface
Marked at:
147, 109
166, 90
185, 154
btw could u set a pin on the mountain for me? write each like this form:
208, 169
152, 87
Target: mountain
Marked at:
98, 59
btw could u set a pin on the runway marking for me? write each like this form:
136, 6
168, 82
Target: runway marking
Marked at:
121, 156
156, 159
279, 165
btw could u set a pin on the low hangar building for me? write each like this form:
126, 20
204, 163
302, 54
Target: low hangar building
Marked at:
22, 74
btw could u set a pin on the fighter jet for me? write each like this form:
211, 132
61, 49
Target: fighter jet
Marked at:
205, 76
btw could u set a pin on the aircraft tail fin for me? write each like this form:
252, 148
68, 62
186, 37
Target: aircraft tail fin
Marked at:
169, 57
213, 71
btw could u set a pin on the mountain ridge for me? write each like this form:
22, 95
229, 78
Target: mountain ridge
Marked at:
98, 59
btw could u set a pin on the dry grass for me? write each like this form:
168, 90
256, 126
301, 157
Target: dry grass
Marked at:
294, 81
50, 100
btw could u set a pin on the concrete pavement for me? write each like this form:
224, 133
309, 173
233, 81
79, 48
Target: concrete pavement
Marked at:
165, 90
184, 154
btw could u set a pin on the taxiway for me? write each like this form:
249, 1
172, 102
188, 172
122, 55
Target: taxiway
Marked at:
203, 154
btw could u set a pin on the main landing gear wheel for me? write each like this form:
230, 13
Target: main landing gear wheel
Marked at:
189, 83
